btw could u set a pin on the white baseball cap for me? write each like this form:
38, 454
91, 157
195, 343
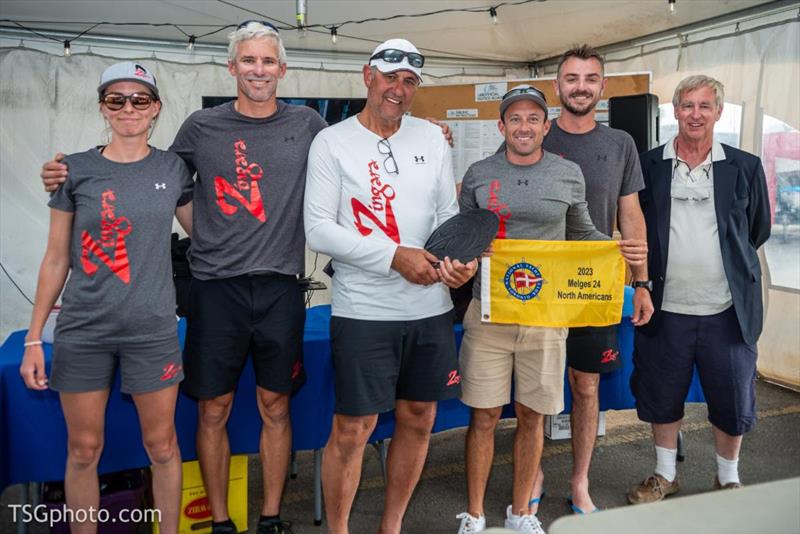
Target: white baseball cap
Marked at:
397, 54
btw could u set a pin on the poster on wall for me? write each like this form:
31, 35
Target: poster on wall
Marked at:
474, 140
488, 92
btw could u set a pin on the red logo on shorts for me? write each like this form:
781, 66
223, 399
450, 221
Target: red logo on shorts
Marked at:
453, 378
296, 368
609, 355
170, 371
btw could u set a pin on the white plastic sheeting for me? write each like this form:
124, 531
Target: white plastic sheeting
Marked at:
759, 69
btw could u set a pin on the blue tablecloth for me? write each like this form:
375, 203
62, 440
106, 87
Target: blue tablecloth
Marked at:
33, 433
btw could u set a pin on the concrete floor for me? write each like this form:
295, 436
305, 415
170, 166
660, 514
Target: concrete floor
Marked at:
623, 457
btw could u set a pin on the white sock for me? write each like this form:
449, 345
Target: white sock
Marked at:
666, 463
727, 470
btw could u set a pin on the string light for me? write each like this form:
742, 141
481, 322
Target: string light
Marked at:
300, 14
301, 22
67, 50
671, 7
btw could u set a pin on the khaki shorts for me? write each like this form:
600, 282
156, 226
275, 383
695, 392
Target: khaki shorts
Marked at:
490, 353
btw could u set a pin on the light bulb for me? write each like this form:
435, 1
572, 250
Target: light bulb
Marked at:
301, 10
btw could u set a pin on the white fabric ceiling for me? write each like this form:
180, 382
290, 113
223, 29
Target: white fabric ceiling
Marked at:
524, 32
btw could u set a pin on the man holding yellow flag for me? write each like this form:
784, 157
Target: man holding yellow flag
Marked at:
541, 196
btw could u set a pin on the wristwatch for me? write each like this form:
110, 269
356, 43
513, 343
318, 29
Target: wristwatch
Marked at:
647, 284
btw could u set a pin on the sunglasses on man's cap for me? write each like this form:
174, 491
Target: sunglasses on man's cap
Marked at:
524, 90
392, 55
262, 22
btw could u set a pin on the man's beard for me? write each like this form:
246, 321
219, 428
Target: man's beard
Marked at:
578, 111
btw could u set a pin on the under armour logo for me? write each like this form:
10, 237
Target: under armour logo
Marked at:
520, 182
287, 139
161, 186
604, 158
419, 159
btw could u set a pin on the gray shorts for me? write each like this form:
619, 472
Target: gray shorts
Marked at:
145, 366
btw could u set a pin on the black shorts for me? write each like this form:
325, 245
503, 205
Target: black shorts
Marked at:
593, 349
663, 365
378, 362
229, 318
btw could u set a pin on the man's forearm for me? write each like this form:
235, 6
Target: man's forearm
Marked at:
632, 226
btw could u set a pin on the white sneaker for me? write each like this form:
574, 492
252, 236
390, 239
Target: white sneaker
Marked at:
527, 523
471, 525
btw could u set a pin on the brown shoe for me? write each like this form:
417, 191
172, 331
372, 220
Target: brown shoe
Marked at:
729, 485
653, 489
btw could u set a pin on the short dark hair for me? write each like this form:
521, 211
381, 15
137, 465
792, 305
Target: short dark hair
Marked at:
584, 52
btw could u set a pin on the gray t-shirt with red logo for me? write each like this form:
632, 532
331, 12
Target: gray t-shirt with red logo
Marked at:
120, 286
248, 204
544, 201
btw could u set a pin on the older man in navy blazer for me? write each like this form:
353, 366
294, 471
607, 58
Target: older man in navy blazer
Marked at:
707, 211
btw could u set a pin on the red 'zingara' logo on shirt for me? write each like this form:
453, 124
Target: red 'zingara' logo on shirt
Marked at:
381, 201
247, 176
500, 208
113, 230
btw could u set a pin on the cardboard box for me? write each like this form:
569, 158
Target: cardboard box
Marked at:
195, 509
557, 426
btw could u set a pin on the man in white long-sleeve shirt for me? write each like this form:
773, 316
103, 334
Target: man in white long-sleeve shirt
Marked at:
377, 185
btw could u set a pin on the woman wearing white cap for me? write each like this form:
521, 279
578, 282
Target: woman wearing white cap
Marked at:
110, 226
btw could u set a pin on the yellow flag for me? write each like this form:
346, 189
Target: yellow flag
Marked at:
553, 283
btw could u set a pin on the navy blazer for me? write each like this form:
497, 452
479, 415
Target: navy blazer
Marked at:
743, 219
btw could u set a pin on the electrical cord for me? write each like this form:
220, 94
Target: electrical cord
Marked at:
21, 292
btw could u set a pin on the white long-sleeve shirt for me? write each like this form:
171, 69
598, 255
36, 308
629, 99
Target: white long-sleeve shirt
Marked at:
358, 213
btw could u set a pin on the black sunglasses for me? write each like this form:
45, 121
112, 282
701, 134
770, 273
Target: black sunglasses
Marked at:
392, 55
116, 101
390, 164
262, 22
524, 91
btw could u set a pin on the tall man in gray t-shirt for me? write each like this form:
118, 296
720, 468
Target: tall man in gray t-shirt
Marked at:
613, 177
247, 249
